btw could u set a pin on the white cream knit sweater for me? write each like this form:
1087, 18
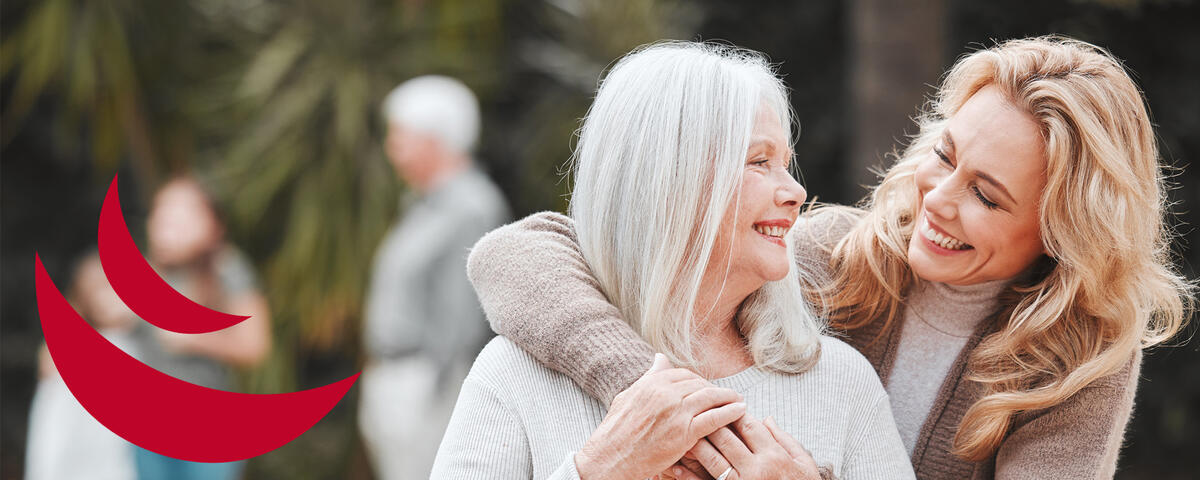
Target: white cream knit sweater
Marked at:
518, 419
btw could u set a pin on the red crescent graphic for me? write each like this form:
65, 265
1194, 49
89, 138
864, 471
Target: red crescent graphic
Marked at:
164, 414
140, 287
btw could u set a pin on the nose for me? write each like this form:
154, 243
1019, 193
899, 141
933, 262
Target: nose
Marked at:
940, 201
790, 193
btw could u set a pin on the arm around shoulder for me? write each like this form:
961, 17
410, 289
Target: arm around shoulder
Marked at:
816, 234
537, 290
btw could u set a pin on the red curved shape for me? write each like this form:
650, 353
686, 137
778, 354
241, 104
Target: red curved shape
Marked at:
140, 287
164, 414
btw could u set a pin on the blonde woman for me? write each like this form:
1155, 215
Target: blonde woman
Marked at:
682, 196
1002, 278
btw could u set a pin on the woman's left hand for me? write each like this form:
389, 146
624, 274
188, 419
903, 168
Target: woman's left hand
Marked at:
763, 451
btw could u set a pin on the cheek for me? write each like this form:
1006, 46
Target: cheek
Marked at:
757, 196
1012, 245
1027, 244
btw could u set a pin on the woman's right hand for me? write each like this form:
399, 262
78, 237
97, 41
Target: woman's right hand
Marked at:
654, 422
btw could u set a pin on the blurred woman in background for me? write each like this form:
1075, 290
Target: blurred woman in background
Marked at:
1002, 279
187, 246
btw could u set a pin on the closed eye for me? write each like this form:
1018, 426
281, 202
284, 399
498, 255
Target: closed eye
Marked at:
942, 156
987, 203
975, 190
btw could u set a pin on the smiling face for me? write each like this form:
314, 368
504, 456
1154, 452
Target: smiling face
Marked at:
979, 192
769, 204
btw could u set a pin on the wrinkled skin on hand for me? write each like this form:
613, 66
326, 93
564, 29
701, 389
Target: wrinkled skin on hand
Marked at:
653, 423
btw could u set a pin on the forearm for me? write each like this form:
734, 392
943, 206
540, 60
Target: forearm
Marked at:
537, 290
243, 345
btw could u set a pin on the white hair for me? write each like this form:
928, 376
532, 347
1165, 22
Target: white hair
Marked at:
659, 160
436, 105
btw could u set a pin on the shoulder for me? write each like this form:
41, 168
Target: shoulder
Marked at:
1125, 377
234, 268
501, 358
473, 195
485, 190
843, 369
839, 357
504, 368
1112, 394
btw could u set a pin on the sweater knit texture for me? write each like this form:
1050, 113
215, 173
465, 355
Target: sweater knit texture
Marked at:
939, 320
518, 419
536, 290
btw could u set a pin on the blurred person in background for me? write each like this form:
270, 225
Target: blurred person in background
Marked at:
188, 248
423, 324
65, 442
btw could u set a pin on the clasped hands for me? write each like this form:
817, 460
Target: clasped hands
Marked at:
673, 423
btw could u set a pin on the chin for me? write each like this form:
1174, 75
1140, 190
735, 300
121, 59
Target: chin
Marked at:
922, 266
775, 275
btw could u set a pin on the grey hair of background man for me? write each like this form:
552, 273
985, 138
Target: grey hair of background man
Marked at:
659, 161
439, 106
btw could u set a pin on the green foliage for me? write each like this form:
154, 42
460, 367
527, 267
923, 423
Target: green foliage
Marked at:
275, 106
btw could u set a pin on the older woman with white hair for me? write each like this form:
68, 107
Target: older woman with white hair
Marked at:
682, 197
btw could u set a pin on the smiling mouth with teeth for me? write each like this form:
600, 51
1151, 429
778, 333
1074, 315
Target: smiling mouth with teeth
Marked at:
773, 233
945, 241
777, 232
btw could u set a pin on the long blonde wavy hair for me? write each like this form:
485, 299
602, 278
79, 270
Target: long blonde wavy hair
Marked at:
1107, 287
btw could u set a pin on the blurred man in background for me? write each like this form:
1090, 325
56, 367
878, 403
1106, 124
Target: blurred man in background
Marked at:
423, 324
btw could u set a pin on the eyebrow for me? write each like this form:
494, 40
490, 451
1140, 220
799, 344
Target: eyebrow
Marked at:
947, 138
995, 183
982, 176
762, 141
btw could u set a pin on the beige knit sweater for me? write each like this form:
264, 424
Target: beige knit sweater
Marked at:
537, 290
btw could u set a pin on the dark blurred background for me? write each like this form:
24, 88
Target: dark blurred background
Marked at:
276, 105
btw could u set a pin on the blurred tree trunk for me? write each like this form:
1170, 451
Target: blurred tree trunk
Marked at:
896, 58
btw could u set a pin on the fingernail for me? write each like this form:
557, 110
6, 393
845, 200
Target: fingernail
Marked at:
678, 471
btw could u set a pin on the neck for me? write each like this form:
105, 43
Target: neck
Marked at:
720, 347
448, 169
